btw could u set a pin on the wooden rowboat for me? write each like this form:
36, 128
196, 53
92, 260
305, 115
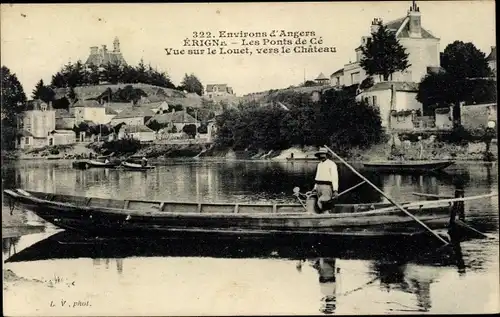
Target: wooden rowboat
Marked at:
110, 164
112, 217
408, 166
136, 167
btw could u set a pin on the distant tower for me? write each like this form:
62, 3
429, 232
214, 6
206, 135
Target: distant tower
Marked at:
116, 45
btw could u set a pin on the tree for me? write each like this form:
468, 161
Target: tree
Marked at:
462, 80
112, 73
43, 92
383, 54
191, 83
156, 126
189, 129
464, 60
13, 98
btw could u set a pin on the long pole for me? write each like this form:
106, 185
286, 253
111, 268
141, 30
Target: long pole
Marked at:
386, 196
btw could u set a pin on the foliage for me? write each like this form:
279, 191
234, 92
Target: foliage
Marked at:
310, 83
463, 79
191, 83
443, 89
383, 54
13, 101
156, 126
122, 146
464, 60
101, 129
13, 98
125, 94
337, 119
74, 75
81, 127
42, 92
203, 128
190, 129
366, 83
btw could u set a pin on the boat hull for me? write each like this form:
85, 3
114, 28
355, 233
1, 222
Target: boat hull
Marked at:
104, 217
408, 166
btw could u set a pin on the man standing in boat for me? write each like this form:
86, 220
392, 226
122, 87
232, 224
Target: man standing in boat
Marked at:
327, 179
144, 161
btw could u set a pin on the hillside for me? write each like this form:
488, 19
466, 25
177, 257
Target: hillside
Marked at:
155, 94
269, 95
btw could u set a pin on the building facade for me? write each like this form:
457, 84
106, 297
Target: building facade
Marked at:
218, 90
35, 124
101, 56
421, 45
89, 110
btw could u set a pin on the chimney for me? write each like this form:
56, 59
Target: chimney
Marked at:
375, 25
415, 23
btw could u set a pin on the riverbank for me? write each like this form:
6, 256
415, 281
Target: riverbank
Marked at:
432, 150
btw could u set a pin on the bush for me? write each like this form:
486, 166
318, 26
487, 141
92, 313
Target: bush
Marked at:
122, 146
189, 129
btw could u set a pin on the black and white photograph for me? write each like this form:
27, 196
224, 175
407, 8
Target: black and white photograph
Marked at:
257, 158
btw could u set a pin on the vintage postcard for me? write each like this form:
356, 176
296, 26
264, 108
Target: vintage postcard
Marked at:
249, 158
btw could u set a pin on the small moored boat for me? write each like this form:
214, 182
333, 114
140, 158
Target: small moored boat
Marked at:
136, 167
408, 166
139, 218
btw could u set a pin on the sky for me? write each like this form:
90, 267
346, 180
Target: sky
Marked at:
37, 39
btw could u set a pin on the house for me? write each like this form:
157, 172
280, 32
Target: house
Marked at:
175, 118
64, 119
337, 78
492, 59
420, 44
110, 113
133, 115
89, 110
138, 132
213, 90
322, 79
391, 96
62, 137
35, 124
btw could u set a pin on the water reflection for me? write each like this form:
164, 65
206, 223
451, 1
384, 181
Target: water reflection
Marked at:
398, 273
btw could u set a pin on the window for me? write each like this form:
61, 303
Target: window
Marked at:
27, 140
354, 78
374, 99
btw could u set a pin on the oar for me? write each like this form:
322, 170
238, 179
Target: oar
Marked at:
387, 196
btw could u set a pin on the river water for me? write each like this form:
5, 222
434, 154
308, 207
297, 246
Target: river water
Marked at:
193, 278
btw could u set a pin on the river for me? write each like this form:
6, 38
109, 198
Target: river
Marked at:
196, 279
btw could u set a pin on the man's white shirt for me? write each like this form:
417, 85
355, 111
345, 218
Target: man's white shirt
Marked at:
327, 172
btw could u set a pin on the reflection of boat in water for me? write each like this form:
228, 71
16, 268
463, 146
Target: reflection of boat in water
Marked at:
138, 218
64, 245
408, 166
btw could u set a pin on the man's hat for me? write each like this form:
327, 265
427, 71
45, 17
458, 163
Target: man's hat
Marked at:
321, 151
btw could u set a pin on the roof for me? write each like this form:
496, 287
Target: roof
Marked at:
118, 106
174, 117
322, 76
135, 128
493, 54
403, 27
134, 112
338, 72
400, 86
87, 104
109, 110
63, 113
35, 105
63, 131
